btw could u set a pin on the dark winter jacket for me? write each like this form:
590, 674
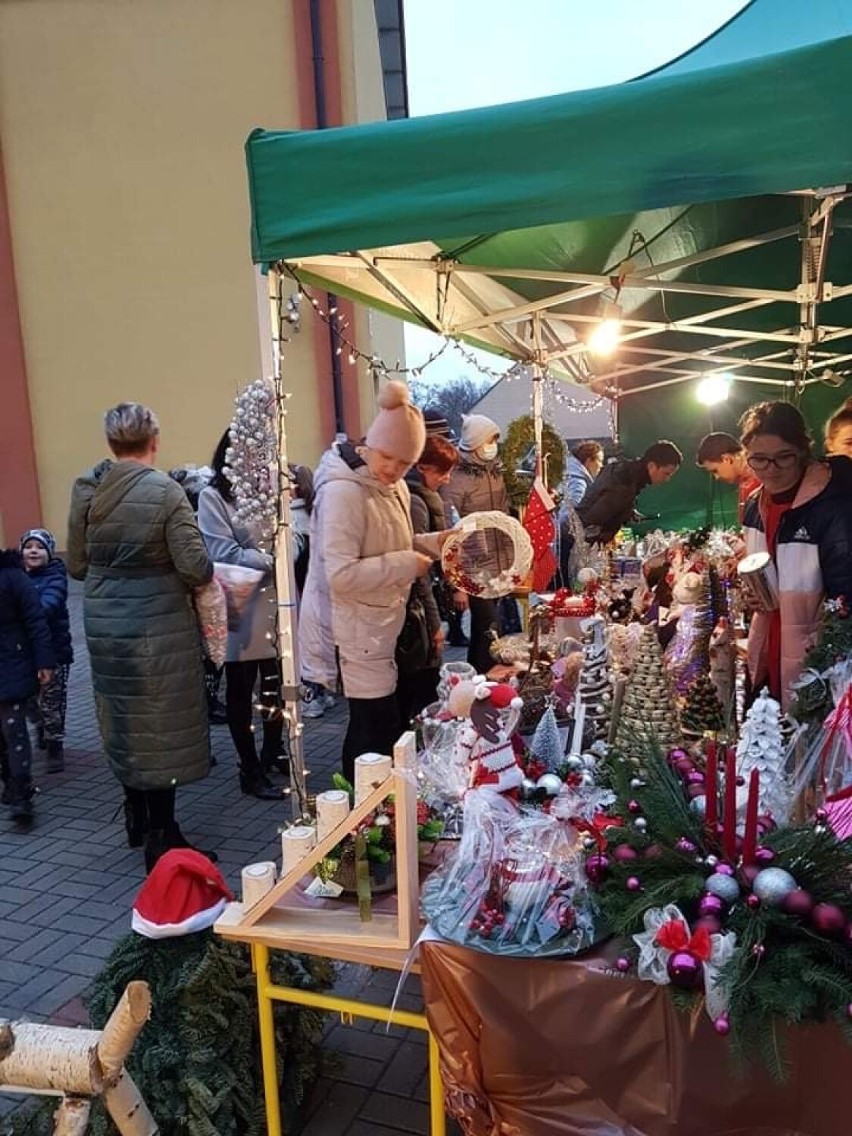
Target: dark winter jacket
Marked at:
610, 500
51, 583
25, 646
427, 515
133, 538
813, 556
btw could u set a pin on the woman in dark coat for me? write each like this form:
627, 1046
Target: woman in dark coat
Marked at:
133, 538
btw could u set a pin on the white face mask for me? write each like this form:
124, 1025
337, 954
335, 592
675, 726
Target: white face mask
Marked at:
488, 452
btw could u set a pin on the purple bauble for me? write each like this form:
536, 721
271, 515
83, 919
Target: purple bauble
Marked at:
685, 970
723, 869
753, 902
798, 902
684, 765
653, 851
633, 883
711, 923
597, 866
722, 1025
676, 755
622, 964
696, 777
634, 807
821, 815
711, 905
765, 823
685, 845
764, 856
828, 919
625, 854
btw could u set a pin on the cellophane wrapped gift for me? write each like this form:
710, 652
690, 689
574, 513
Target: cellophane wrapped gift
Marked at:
211, 610
516, 885
239, 585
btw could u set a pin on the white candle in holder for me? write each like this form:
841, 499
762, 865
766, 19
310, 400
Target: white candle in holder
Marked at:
371, 769
296, 843
257, 880
332, 810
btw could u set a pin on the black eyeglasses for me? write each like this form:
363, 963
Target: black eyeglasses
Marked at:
785, 460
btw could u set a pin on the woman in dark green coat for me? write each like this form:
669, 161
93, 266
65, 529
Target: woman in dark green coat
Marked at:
133, 538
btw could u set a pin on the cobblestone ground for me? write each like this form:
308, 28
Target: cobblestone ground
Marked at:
67, 888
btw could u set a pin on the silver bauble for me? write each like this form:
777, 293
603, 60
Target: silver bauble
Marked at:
725, 887
527, 787
550, 783
574, 761
772, 885
698, 805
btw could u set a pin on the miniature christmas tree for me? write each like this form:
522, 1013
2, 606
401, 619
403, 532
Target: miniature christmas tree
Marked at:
648, 706
547, 745
761, 747
594, 687
702, 710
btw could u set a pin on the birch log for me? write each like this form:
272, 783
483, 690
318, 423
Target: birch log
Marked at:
72, 1117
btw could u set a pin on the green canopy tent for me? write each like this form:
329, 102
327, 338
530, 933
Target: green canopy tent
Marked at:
509, 226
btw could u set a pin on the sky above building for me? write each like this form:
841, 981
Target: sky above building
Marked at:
472, 53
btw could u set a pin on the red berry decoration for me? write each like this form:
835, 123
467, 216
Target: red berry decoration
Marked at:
685, 970
828, 919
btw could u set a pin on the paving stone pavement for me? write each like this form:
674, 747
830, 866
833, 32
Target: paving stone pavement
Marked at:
68, 884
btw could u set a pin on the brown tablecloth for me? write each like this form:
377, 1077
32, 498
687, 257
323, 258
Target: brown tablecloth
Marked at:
561, 1048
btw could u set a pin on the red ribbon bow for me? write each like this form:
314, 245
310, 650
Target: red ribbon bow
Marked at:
675, 936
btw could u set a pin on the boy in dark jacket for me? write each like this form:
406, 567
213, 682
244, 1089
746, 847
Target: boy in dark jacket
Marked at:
610, 501
26, 660
48, 575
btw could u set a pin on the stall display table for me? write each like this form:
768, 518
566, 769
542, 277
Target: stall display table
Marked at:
567, 1047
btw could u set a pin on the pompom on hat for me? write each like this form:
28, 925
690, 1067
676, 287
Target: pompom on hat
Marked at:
501, 695
476, 431
183, 894
398, 429
45, 538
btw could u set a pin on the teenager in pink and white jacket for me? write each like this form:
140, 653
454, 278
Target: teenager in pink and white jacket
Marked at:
802, 515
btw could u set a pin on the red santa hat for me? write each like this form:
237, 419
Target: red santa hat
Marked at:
184, 893
502, 696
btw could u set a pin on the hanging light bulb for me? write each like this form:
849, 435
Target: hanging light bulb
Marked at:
607, 335
714, 389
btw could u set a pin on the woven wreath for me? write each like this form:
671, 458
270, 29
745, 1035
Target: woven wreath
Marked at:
480, 537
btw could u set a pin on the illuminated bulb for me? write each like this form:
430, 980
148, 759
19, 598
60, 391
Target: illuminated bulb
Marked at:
714, 389
607, 335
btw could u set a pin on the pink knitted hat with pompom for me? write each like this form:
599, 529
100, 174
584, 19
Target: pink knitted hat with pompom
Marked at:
398, 429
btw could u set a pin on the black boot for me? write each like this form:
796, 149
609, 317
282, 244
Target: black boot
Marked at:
162, 840
272, 761
55, 757
135, 820
255, 783
21, 801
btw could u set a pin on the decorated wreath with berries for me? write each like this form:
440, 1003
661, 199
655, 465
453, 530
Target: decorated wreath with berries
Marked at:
474, 541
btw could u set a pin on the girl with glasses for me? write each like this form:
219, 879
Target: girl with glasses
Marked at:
802, 516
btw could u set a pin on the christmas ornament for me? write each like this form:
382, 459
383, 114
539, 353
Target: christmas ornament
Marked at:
828, 919
702, 710
550, 783
772, 884
622, 964
685, 845
764, 856
762, 747
798, 902
726, 887
597, 866
722, 1025
251, 459
685, 970
624, 853
541, 529
711, 905
633, 883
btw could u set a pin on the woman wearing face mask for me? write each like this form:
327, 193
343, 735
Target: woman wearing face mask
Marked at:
838, 431
802, 516
363, 563
477, 486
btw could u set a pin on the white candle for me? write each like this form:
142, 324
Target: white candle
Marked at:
371, 769
332, 810
579, 722
257, 880
296, 843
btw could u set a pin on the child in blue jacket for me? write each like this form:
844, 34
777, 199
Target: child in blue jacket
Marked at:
48, 575
26, 660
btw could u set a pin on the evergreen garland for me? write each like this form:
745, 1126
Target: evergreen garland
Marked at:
197, 1061
519, 440
784, 971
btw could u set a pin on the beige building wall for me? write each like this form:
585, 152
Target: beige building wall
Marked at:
123, 124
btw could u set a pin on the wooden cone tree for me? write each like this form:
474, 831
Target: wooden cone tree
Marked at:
648, 707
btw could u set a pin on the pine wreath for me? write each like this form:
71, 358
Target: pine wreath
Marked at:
520, 439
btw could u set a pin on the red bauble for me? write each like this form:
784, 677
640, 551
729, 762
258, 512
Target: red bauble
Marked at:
828, 919
625, 854
798, 902
634, 807
685, 970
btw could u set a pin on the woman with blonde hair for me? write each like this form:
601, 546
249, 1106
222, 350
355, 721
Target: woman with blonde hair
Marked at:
838, 431
133, 539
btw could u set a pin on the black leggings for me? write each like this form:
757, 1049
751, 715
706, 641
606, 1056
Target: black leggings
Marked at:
483, 629
374, 727
239, 702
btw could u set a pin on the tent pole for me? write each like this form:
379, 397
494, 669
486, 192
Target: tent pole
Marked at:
285, 580
538, 370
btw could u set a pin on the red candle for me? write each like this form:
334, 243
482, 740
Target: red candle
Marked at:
730, 818
750, 835
711, 788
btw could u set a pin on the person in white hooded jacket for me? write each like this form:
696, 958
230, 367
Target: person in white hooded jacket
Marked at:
363, 563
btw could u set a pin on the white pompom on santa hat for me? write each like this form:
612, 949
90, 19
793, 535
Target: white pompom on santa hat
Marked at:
183, 894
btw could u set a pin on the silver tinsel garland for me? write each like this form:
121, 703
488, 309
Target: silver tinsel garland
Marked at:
251, 460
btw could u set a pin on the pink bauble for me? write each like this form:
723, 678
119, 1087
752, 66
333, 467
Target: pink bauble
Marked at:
764, 856
798, 902
685, 970
753, 902
821, 815
828, 919
634, 807
653, 851
625, 854
622, 964
684, 765
711, 923
696, 777
676, 755
723, 869
722, 1025
597, 866
685, 845
711, 905
633, 883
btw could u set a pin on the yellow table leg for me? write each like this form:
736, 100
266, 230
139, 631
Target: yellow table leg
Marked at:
438, 1120
267, 1040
